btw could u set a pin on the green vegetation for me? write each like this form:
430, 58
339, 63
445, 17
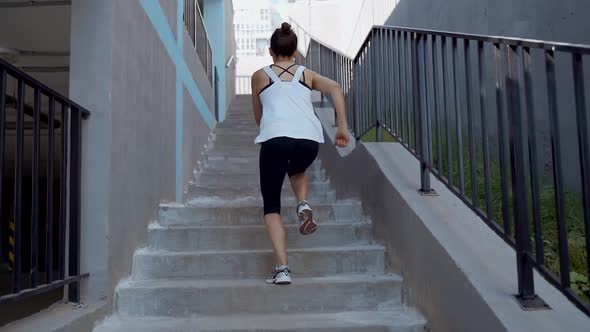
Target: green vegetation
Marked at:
574, 215
371, 136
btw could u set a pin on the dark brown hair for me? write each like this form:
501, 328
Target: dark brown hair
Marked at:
284, 41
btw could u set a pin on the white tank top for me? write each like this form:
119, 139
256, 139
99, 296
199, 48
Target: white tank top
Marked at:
287, 110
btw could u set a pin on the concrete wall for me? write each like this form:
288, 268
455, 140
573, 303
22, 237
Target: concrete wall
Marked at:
142, 152
563, 21
230, 50
125, 74
91, 77
456, 270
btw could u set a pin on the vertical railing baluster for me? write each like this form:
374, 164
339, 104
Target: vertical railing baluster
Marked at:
397, 86
337, 79
18, 179
216, 93
63, 190
350, 107
504, 157
378, 84
446, 110
420, 124
356, 96
384, 78
2, 142
428, 99
74, 204
484, 130
359, 69
582, 120
532, 146
458, 120
389, 79
35, 187
367, 93
362, 93
405, 102
411, 110
49, 218
437, 118
470, 125
518, 165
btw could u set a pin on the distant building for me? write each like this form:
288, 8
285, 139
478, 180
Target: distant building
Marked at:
253, 23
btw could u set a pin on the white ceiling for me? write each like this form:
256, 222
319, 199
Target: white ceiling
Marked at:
38, 29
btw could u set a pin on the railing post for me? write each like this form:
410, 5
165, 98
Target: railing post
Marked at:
420, 124
216, 92
355, 98
526, 296
18, 184
75, 198
334, 65
374, 73
3, 255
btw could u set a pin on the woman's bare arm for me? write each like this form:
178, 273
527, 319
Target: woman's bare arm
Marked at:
334, 90
256, 104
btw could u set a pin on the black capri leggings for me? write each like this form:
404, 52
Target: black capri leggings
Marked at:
280, 156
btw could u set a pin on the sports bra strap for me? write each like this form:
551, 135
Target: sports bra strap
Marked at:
273, 76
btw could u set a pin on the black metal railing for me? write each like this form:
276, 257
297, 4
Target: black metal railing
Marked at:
195, 25
40, 150
500, 121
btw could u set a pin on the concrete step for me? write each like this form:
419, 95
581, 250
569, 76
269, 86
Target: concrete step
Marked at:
239, 264
243, 213
228, 131
397, 319
189, 298
238, 154
231, 153
224, 167
210, 174
254, 237
220, 158
239, 118
242, 165
287, 196
206, 178
241, 124
245, 188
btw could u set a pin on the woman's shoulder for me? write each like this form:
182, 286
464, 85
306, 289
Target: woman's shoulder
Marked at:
258, 75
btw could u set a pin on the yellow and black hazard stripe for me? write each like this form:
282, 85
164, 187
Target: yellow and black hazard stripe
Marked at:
11, 242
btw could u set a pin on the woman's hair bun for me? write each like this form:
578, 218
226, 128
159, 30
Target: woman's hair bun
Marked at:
286, 27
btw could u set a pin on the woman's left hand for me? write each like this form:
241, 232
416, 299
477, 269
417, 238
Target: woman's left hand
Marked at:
341, 139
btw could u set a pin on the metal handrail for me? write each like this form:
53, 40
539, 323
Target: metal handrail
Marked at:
429, 90
30, 80
39, 266
192, 16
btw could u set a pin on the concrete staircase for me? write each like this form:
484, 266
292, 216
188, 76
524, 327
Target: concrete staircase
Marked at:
206, 260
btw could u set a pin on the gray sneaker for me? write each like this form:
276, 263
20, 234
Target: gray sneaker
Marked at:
280, 276
307, 224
